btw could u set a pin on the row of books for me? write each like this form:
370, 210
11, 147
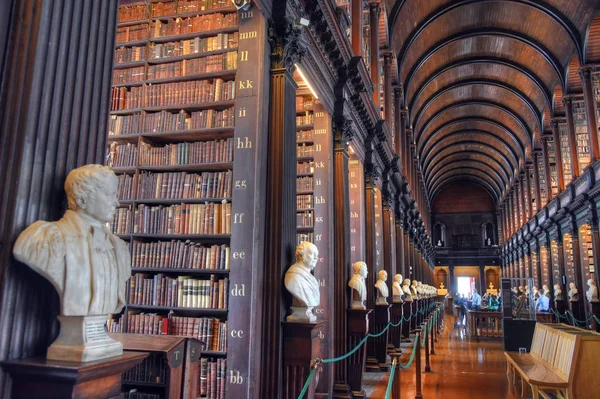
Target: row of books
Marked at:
305, 219
194, 92
121, 223
187, 153
194, 66
213, 374
305, 167
125, 186
304, 119
128, 75
301, 237
304, 103
199, 23
124, 124
305, 150
152, 369
177, 254
305, 183
122, 155
304, 135
179, 185
131, 33
196, 45
207, 218
133, 13
166, 121
126, 98
181, 291
304, 201
185, 6
129, 54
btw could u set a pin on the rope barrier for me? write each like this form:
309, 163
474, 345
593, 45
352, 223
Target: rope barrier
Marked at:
412, 355
308, 380
388, 391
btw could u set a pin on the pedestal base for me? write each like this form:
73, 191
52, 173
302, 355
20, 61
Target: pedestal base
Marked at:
301, 344
39, 378
302, 314
406, 310
395, 332
382, 318
358, 327
83, 339
595, 306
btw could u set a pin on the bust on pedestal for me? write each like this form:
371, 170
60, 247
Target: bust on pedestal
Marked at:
87, 264
382, 288
592, 292
413, 289
557, 293
407, 291
442, 290
303, 286
357, 283
573, 293
546, 290
397, 289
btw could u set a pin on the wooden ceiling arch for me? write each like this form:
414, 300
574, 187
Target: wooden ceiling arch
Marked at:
469, 178
482, 79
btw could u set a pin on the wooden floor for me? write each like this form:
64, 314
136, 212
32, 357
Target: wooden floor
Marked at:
461, 368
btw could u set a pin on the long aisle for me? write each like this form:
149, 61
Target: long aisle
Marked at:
462, 369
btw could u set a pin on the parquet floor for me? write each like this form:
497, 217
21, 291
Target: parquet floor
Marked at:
461, 369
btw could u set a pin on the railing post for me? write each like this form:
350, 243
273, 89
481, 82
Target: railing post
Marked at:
433, 335
418, 393
427, 363
396, 387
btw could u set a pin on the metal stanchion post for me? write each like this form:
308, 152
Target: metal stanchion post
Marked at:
427, 364
433, 336
396, 387
418, 393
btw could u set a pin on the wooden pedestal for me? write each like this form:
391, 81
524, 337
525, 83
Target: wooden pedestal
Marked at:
358, 327
560, 308
396, 313
300, 346
406, 308
595, 307
382, 318
414, 322
39, 378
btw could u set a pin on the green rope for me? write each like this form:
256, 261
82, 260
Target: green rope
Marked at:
307, 383
412, 355
424, 337
597, 319
578, 322
388, 391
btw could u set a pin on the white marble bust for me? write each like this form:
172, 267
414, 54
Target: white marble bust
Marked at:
545, 289
592, 292
382, 288
87, 264
573, 293
413, 288
397, 289
420, 289
357, 283
303, 286
407, 291
557, 293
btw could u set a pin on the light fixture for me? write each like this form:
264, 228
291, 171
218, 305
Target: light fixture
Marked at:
306, 81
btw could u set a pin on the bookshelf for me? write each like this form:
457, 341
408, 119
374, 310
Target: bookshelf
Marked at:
596, 85
542, 182
356, 183
366, 37
534, 267
587, 252
379, 233
552, 163
568, 255
545, 266
581, 134
187, 175
563, 134
305, 168
556, 277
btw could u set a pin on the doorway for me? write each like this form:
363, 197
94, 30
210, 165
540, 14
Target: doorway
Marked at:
465, 285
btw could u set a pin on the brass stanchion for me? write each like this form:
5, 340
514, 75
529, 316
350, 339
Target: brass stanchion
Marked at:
433, 336
396, 387
418, 393
427, 363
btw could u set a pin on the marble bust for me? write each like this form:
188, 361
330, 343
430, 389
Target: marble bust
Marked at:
357, 283
420, 289
382, 288
545, 289
87, 264
407, 291
301, 283
573, 293
413, 288
592, 292
397, 289
557, 293
442, 286
491, 286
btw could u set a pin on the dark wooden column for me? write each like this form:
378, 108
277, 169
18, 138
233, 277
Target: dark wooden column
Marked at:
590, 111
406, 239
558, 156
594, 231
387, 87
54, 103
568, 101
406, 151
528, 200
536, 178
399, 245
357, 27
577, 272
546, 160
280, 232
389, 235
523, 198
511, 213
518, 204
341, 246
374, 11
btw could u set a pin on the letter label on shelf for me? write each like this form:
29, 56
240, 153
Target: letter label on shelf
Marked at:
248, 35
318, 237
238, 290
242, 112
320, 200
237, 333
235, 377
238, 218
244, 144
246, 84
238, 255
243, 55
240, 185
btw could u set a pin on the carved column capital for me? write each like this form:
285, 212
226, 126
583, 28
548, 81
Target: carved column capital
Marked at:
343, 132
287, 45
585, 72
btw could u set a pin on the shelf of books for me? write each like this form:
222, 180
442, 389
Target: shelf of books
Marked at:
552, 163
581, 134
176, 148
568, 256
366, 38
586, 251
532, 201
534, 268
379, 232
596, 84
545, 266
356, 182
521, 265
565, 152
542, 182
556, 262
305, 168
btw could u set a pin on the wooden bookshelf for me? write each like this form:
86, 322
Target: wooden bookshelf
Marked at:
586, 251
356, 182
565, 152
581, 134
305, 169
552, 163
379, 233
569, 260
541, 202
556, 262
545, 267
534, 267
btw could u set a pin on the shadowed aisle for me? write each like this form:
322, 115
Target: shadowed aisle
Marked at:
462, 369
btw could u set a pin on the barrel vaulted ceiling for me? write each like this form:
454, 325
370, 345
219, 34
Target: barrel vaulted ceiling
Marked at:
482, 78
